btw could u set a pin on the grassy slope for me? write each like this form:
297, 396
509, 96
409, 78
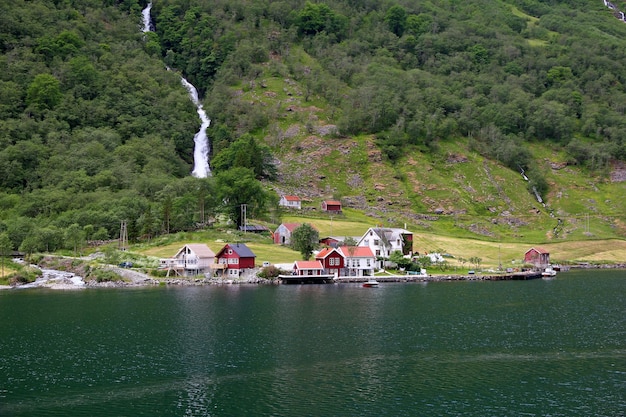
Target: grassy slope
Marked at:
487, 210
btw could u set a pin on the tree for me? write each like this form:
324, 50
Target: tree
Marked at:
44, 92
5, 248
237, 187
30, 244
398, 258
305, 239
74, 237
245, 152
396, 19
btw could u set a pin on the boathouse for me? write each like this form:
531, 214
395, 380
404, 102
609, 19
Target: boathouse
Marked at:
537, 256
307, 272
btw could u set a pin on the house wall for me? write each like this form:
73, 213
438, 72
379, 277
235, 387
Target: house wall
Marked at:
282, 235
360, 266
290, 203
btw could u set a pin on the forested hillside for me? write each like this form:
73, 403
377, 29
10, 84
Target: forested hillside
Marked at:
332, 99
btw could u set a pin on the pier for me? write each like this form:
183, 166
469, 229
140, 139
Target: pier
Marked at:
517, 276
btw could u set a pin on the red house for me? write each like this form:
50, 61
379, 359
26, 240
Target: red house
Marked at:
331, 260
235, 258
331, 206
537, 256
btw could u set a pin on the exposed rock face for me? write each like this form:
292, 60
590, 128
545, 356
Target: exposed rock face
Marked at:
618, 173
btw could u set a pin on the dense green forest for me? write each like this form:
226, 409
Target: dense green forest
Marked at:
95, 127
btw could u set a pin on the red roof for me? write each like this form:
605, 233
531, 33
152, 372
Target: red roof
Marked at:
332, 202
309, 265
293, 226
325, 252
356, 251
539, 250
291, 198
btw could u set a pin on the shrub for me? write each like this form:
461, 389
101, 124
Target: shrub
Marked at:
103, 275
269, 272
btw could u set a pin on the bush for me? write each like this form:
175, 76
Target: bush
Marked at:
103, 275
269, 272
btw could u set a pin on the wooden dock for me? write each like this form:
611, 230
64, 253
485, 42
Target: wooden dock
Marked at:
517, 276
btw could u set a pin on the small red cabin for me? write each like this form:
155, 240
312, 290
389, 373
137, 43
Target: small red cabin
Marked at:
537, 257
331, 206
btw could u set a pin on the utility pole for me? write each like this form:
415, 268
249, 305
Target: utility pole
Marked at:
123, 242
244, 216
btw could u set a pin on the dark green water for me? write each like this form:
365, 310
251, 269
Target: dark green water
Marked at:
536, 348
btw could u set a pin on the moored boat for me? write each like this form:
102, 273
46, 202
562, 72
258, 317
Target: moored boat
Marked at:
549, 272
370, 283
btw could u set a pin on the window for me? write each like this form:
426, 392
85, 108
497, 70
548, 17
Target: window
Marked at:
377, 252
376, 242
331, 261
230, 251
368, 262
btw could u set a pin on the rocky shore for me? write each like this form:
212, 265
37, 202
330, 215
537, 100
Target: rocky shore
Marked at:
67, 280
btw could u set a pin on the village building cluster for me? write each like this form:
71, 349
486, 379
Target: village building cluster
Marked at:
336, 259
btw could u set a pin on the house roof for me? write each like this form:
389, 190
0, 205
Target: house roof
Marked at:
388, 233
356, 251
325, 252
293, 226
240, 249
308, 265
291, 198
200, 249
538, 250
332, 202
253, 228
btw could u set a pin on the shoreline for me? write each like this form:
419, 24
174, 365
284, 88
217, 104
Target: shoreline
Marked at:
136, 279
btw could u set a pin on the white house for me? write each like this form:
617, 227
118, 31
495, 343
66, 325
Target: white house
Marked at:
191, 259
359, 260
290, 201
385, 240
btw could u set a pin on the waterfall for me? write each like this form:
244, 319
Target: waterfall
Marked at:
201, 149
616, 12
147, 23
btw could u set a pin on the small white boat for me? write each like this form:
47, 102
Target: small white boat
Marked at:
549, 272
370, 283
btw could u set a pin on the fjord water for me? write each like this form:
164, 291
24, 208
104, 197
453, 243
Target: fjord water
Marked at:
514, 348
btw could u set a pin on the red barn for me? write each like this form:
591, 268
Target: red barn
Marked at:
236, 258
537, 257
331, 206
331, 259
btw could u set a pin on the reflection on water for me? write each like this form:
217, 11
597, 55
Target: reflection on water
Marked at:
480, 348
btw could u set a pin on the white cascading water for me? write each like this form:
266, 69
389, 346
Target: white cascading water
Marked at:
201, 167
146, 18
201, 149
